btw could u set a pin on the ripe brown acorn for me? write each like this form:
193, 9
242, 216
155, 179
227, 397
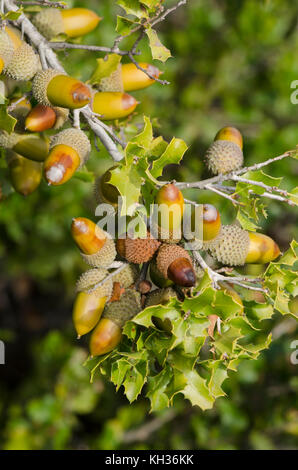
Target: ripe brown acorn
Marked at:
174, 263
137, 250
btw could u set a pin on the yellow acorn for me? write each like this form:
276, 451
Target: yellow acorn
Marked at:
52, 88
231, 134
168, 214
32, 147
262, 249
96, 247
106, 337
25, 175
113, 105
74, 22
42, 118
69, 150
87, 311
135, 79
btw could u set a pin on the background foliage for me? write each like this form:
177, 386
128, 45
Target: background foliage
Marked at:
233, 63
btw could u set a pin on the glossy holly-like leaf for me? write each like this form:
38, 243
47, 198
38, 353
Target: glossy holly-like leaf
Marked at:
7, 122
218, 375
132, 7
157, 388
124, 25
158, 50
173, 154
104, 68
128, 182
134, 381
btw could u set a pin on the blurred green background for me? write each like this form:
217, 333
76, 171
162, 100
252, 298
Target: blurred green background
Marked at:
233, 64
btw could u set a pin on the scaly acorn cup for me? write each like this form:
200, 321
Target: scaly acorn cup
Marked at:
89, 279
24, 63
69, 150
53, 88
235, 247
74, 22
113, 82
106, 193
32, 147
6, 49
42, 117
127, 276
15, 36
135, 79
111, 105
223, 157
175, 263
231, 134
96, 246
25, 175
108, 333
169, 205
137, 250
87, 311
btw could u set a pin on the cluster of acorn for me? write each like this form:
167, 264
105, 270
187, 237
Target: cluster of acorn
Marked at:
106, 300
30, 152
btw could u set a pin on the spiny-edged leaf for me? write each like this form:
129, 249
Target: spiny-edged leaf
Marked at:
227, 340
144, 138
128, 182
158, 50
172, 154
261, 177
246, 222
256, 311
124, 25
225, 305
105, 67
158, 147
201, 304
160, 344
255, 349
151, 3
157, 387
132, 7
134, 381
7, 122
119, 371
289, 257
218, 375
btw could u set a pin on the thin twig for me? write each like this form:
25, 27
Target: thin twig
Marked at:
142, 433
46, 3
162, 82
66, 45
107, 278
226, 196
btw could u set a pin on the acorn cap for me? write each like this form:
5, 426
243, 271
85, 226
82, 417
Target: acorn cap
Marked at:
49, 22
167, 254
40, 85
171, 236
62, 116
91, 277
76, 139
160, 296
231, 246
104, 257
24, 63
124, 309
6, 47
8, 141
137, 250
113, 82
127, 276
224, 156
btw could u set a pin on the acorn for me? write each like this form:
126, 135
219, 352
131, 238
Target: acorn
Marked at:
156, 277
42, 117
106, 193
223, 157
205, 224
24, 63
90, 278
15, 36
19, 108
108, 333
113, 82
231, 134
73, 22
137, 250
235, 247
113, 105
53, 88
135, 79
168, 213
127, 276
87, 311
69, 150
25, 175
32, 147
174, 263
6, 49
96, 246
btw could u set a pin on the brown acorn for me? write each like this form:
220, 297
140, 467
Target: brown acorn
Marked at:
174, 263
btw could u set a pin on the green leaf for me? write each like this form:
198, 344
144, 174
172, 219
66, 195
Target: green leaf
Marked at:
172, 154
218, 376
105, 67
7, 122
124, 25
157, 387
158, 50
132, 7
144, 138
128, 182
135, 379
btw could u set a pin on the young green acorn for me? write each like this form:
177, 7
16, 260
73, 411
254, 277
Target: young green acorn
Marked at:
168, 213
25, 175
223, 157
231, 134
104, 192
135, 79
235, 247
53, 88
74, 22
174, 263
108, 333
69, 150
113, 105
24, 63
42, 118
137, 250
96, 246
32, 147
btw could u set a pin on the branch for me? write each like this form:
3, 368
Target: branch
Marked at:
162, 82
66, 45
46, 3
110, 276
143, 432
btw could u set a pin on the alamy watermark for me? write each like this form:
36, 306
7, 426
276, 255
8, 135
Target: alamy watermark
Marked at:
294, 355
294, 95
2, 353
